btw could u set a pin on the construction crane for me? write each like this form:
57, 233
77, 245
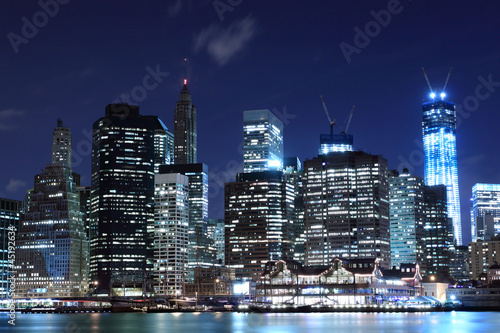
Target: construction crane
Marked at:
348, 121
332, 123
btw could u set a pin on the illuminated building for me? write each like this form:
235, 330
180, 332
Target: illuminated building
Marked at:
185, 129
171, 224
438, 242
482, 255
406, 200
439, 136
52, 247
346, 207
262, 141
293, 174
485, 211
61, 144
122, 196
335, 143
459, 263
340, 282
10, 214
164, 145
259, 220
200, 246
216, 230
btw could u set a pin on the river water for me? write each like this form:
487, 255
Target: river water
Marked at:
439, 322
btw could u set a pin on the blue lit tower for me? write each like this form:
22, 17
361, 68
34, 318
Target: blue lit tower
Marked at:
439, 135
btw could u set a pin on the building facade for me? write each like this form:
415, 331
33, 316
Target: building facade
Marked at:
10, 215
258, 213
262, 141
482, 255
438, 242
346, 205
406, 199
122, 197
335, 143
440, 163
171, 228
185, 129
485, 211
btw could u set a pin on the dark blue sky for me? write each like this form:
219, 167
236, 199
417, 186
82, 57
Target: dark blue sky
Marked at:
279, 55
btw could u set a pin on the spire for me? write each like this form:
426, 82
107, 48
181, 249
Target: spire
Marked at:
59, 122
185, 72
185, 96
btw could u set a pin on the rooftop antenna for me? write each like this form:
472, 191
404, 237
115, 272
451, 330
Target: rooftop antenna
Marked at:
185, 71
447, 78
429, 84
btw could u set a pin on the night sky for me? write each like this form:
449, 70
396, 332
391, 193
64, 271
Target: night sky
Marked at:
244, 54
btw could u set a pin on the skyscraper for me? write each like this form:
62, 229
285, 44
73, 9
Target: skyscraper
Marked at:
335, 142
485, 211
171, 227
439, 136
10, 215
122, 198
185, 129
406, 199
61, 144
258, 212
262, 141
52, 247
164, 141
346, 207
438, 242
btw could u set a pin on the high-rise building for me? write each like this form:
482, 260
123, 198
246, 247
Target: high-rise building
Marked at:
293, 174
335, 143
438, 228
259, 221
52, 247
346, 207
262, 141
201, 249
482, 255
10, 215
171, 233
164, 145
439, 136
459, 263
185, 129
122, 197
406, 199
216, 231
485, 211
61, 144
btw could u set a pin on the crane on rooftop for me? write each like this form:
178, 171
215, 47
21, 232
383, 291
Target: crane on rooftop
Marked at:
332, 123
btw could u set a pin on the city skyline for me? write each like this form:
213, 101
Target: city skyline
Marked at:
62, 73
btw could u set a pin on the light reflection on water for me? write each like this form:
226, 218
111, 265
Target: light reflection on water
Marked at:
447, 322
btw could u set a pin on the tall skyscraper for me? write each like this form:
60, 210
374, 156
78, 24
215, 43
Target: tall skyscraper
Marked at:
61, 144
10, 215
439, 136
406, 199
262, 141
171, 233
122, 197
438, 228
185, 129
335, 143
485, 211
346, 207
259, 220
164, 141
200, 247
52, 247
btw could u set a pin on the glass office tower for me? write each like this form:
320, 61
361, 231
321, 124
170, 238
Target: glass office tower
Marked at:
485, 211
335, 142
262, 141
439, 136
10, 214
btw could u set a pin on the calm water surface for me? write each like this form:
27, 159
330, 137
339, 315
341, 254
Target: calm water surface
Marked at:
446, 322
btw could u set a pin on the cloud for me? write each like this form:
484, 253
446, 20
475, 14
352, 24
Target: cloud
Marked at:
5, 118
15, 185
222, 44
175, 9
